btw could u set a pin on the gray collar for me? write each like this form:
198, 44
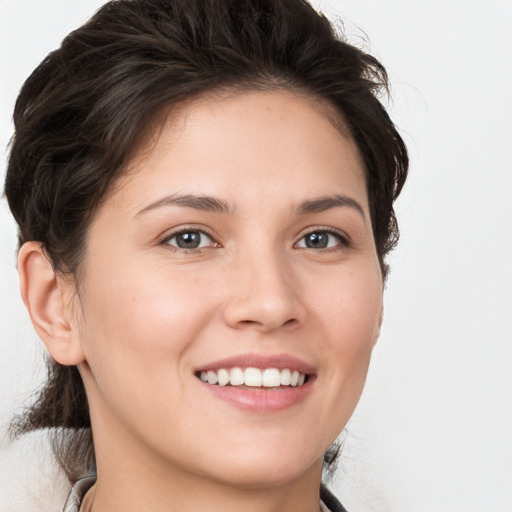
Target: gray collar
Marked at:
77, 494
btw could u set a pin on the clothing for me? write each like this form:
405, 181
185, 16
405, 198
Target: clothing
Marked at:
77, 494
329, 503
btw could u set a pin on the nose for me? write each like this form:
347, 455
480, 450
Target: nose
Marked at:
264, 296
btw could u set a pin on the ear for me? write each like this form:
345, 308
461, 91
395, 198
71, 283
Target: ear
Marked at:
48, 299
381, 317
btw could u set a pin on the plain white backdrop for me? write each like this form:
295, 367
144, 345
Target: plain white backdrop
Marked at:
433, 430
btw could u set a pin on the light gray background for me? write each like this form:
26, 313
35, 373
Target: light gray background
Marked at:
433, 431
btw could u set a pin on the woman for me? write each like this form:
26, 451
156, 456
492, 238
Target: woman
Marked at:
204, 193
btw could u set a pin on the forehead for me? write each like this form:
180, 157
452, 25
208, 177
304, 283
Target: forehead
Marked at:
256, 142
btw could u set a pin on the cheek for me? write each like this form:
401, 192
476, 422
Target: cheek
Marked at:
350, 309
137, 335
139, 326
349, 315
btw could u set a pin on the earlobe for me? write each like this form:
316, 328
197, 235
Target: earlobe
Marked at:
381, 317
46, 297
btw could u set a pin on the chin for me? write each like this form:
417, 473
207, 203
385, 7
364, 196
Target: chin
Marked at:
254, 469
264, 478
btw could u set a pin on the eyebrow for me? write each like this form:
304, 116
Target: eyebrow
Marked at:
215, 205
321, 204
204, 203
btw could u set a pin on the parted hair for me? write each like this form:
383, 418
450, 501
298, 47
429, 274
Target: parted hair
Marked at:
84, 109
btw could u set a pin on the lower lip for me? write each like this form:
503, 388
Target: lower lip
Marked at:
261, 399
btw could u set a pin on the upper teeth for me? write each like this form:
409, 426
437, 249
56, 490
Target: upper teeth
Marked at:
254, 377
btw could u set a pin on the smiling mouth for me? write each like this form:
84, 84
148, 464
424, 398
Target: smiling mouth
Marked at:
251, 378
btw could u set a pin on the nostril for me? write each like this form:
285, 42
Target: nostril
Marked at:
261, 312
292, 322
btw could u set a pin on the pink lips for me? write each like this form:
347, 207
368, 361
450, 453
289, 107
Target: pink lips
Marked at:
261, 400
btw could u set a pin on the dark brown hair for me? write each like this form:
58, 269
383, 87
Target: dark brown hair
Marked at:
87, 105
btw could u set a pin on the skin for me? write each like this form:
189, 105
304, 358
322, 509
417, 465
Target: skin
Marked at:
149, 313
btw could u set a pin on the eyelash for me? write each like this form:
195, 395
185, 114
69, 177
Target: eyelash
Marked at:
168, 238
344, 241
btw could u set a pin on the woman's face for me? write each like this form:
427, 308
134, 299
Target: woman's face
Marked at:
240, 237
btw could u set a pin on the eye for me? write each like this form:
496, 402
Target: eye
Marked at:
190, 239
322, 239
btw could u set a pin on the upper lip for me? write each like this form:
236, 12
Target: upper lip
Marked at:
261, 361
